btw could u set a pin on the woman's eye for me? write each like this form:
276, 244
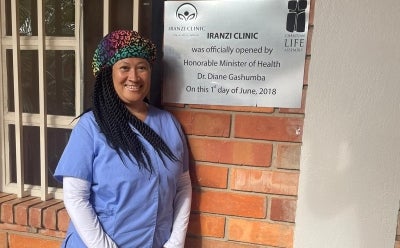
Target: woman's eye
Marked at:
142, 68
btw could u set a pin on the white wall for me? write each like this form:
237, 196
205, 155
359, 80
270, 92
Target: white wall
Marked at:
349, 190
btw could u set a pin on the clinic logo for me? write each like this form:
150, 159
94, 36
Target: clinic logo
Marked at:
296, 18
186, 12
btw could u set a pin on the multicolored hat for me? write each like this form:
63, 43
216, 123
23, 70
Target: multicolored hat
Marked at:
121, 44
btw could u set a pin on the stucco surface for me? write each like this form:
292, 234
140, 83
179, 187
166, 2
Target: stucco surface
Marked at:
349, 190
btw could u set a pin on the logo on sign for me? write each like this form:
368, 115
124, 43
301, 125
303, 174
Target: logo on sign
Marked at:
186, 12
296, 18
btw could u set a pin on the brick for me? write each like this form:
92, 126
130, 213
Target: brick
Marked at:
263, 181
6, 215
63, 220
283, 209
53, 233
312, 11
18, 228
259, 232
2, 194
229, 203
231, 152
207, 225
7, 198
3, 239
192, 242
268, 128
204, 123
50, 216
306, 74
7, 209
288, 156
398, 225
21, 241
308, 46
36, 212
176, 105
234, 108
209, 176
21, 211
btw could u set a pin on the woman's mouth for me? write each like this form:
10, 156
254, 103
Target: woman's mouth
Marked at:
132, 87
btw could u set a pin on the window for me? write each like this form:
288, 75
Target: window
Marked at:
46, 80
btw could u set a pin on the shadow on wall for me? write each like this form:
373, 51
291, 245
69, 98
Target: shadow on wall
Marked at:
348, 188
397, 244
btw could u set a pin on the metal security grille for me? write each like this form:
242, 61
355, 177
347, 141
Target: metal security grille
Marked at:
42, 89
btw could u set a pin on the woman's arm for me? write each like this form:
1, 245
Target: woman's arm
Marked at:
82, 214
182, 204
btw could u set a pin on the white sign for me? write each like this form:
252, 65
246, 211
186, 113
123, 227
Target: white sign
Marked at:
237, 52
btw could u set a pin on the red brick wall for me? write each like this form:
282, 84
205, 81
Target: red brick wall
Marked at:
30, 223
244, 169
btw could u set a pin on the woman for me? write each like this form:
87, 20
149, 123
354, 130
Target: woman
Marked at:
125, 168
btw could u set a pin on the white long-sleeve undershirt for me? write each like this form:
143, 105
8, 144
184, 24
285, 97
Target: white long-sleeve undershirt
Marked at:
84, 218
182, 203
82, 214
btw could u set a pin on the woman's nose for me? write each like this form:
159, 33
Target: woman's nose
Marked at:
133, 75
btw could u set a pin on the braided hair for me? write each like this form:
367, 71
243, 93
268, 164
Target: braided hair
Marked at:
114, 120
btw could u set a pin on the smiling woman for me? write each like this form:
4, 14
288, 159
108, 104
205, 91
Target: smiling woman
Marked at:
131, 79
141, 148
46, 47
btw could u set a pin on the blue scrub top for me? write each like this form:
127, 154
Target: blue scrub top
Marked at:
134, 206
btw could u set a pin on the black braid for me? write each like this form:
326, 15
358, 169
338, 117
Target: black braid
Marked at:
113, 119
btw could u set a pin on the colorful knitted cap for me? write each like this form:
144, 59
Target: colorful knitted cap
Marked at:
121, 44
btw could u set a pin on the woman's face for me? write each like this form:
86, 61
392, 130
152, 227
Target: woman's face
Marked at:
131, 79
